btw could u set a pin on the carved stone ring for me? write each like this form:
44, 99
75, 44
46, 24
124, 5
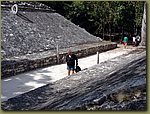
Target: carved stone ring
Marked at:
14, 9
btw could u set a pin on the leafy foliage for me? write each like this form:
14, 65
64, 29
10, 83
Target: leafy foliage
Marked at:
105, 17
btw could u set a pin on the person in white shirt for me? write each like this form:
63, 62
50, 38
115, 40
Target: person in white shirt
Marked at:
138, 40
134, 41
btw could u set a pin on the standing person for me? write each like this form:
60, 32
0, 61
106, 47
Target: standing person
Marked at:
125, 40
134, 41
70, 59
138, 39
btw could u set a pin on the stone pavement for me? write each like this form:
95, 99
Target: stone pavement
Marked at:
25, 82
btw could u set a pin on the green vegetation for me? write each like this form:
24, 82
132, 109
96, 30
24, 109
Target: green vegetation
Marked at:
102, 17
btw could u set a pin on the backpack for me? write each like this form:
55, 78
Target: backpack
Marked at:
77, 69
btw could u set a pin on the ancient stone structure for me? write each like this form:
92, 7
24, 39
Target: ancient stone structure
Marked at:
117, 84
26, 6
30, 37
36, 28
14, 65
29, 42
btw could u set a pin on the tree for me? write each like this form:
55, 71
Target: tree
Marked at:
143, 29
102, 17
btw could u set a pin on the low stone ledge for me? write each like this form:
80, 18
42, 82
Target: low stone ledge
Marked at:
26, 6
14, 66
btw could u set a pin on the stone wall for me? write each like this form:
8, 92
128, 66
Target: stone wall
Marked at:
26, 6
13, 66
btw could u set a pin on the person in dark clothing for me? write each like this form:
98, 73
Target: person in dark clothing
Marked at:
138, 40
70, 59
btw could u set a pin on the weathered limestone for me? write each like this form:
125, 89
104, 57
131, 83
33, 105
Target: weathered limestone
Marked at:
34, 31
30, 37
101, 87
28, 6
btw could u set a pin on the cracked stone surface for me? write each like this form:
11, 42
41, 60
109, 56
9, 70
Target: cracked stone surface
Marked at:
95, 88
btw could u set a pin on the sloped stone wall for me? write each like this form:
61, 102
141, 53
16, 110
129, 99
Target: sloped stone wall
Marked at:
26, 5
116, 84
33, 31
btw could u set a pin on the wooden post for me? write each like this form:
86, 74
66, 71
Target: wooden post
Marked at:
57, 53
97, 57
103, 33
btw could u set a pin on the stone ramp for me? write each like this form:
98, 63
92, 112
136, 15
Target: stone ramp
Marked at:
33, 31
72, 93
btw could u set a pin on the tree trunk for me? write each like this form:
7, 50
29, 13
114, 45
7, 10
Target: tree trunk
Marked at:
109, 31
122, 33
103, 33
143, 29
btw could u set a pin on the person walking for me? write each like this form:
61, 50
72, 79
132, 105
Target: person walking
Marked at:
70, 59
125, 40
